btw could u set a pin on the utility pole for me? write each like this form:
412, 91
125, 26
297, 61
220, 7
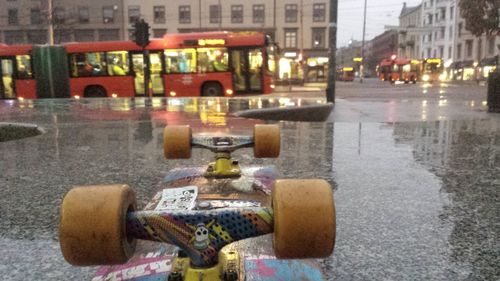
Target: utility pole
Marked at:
50, 18
332, 39
362, 66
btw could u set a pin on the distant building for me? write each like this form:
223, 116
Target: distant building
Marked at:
474, 56
410, 34
383, 46
439, 16
26, 21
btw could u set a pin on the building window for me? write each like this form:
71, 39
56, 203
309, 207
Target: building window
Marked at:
450, 32
441, 51
108, 35
184, 14
452, 11
291, 13
215, 13
84, 35
319, 12
318, 38
468, 46
258, 13
59, 15
491, 45
108, 14
460, 25
159, 14
13, 19
236, 13
479, 48
83, 14
159, 32
37, 36
290, 38
35, 16
442, 32
134, 14
459, 51
449, 52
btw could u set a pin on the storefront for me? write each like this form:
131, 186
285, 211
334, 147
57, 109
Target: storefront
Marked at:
317, 69
290, 68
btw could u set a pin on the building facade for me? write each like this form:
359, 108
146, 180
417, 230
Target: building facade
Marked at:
26, 21
439, 17
474, 56
409, 32
383, 46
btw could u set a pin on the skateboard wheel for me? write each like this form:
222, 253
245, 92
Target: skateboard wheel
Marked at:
177, 142
92, 225
267, 141
304, 219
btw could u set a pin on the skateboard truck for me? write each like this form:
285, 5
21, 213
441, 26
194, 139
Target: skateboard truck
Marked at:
178, 142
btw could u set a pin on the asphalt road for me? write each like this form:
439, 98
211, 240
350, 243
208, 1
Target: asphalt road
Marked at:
377, 101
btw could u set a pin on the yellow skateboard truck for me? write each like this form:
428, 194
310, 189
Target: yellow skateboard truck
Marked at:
178, 141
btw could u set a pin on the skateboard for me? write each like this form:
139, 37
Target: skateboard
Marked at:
206, 223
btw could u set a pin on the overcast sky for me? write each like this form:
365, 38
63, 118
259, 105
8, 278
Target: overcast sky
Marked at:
378, 14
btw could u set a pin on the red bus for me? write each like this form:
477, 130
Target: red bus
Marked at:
191, 64
16, 69
384, 69
398, 69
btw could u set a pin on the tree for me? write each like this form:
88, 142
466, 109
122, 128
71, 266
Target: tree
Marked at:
481, 16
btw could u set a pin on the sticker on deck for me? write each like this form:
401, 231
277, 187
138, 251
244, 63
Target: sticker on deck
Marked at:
181, 198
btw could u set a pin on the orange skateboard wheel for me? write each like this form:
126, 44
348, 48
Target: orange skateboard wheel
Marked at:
267, 141
92, 225
304, 219
177, 142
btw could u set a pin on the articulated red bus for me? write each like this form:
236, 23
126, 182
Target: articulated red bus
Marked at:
191, 64
398, 69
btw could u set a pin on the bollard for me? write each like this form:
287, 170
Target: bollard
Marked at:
494, 92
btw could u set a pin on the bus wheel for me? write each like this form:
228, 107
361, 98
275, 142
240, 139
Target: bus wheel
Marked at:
95, 92
211, 89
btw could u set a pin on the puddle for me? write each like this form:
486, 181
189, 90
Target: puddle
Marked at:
13, 131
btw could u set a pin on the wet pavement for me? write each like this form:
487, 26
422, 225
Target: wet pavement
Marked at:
417, 198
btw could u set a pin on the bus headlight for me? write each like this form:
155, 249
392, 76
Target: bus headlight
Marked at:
426, 77
173, 94
442, 77
229, 91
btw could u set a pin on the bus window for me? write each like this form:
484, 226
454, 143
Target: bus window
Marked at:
407, 68
87, 64
255, 68
271, 60
180, 60
24, 67
118, 63
7, 79
212, 60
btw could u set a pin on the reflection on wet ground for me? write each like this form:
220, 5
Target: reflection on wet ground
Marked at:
415, 200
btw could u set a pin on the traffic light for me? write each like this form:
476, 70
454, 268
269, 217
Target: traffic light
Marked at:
141, 33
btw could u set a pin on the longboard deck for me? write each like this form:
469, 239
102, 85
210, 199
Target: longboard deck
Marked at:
153, 261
